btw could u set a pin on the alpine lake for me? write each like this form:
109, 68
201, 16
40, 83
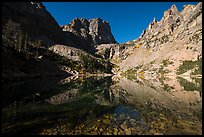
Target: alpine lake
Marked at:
105, 105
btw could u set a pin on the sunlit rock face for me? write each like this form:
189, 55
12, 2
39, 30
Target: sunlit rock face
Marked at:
176, 37
96, 31
89, 32
100, 32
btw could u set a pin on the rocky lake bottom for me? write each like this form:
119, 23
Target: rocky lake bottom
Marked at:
111, 105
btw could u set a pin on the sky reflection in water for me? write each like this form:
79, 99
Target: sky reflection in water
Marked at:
103, 105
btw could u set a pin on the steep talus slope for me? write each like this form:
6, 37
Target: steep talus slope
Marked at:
165, 44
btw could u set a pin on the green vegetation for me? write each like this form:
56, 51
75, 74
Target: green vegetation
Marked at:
188, 65
87, 63
161, 79
190, 86
195, 38
164, 39
152, 62
131, 77
198, 70
162, 71
166, 62
60, 59
94, 65
16, 38
167, 87
115, 66
198, 82
132, 70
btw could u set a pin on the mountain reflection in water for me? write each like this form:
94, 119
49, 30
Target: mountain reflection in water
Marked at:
103, 105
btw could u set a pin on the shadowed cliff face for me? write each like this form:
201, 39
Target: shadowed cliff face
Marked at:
28, 27
33, 19
24, 24
39, 24
16, 66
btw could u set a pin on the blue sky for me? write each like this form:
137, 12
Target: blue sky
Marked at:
127, 19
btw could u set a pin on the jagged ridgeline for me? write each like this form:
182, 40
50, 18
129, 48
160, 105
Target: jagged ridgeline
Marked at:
30, 33
172, 45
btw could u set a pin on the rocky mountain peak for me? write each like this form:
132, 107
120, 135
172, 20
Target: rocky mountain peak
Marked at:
98, 30
171, 11
177, 37
38, 5
154, 20
174, 8
187, 8
96, 19
170, 24
79, 20
76, 25
198, 8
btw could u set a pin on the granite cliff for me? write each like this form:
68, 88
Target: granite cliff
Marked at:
89, 33
165, 47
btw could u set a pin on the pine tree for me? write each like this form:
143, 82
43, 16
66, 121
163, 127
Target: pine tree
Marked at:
25, 43
19, 42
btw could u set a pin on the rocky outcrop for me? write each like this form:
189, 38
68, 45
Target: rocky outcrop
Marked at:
68, 52
34, 19
171, 26
80, 61
115, 52
175, 38
100, 32
89, 33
